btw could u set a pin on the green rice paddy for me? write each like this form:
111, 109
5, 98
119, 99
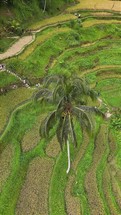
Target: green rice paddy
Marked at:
36, 181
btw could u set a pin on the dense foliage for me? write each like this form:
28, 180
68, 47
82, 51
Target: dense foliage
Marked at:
71, 98
24, 12
41, 3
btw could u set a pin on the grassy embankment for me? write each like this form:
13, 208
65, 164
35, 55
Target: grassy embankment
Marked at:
16, 17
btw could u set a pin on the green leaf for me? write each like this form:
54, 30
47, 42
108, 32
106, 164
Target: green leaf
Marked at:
47, 124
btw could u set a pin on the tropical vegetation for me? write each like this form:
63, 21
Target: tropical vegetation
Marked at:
33, 177
71, 95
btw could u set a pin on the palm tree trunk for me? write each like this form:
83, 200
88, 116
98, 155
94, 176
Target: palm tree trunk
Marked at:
45, 6
68, 152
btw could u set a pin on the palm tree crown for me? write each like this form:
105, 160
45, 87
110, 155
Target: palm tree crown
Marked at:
71, 97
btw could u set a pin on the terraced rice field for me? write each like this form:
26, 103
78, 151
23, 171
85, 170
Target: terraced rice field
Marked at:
33, 177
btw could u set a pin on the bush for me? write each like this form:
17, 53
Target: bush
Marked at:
14, 27
73, 39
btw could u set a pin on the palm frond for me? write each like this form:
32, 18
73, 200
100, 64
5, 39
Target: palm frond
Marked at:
57, 92
47, 124
59, 132
98, 112
72, 132
43, 93
66, 128
81, 85
93, 94
80, 90
71, 96
52, 79
62, 130
84, 117
60, 103
92, 110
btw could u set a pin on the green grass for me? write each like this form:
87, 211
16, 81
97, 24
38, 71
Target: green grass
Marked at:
58, 184
102, 74
13, 184
117, 135
13, 98
111, 91
92, 59
52, 20
33, 67
42, 37
63, 48
96, 32
99, 175
27, 14
113, 97
5, 43
20, 122
7, 79
59, 178
82, 168
100, 172
20, 119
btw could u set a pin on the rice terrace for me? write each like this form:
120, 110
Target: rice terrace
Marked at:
60, 107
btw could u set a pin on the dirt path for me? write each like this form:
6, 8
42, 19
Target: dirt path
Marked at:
17, 47
21, 44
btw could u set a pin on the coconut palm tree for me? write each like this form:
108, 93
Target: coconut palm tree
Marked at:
71, 97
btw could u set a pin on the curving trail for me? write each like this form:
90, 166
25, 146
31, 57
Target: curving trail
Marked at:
18, 47
23, 42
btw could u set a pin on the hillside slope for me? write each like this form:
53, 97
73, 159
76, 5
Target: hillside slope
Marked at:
18, 14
